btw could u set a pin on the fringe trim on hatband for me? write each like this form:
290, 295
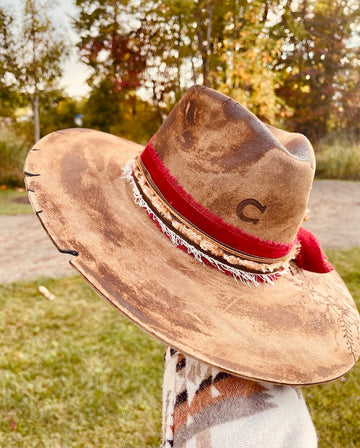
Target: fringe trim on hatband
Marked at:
254, 278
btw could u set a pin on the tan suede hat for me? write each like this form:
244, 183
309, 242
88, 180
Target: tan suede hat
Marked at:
251, 291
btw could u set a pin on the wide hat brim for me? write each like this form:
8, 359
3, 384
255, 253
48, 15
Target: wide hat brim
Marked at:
302, 329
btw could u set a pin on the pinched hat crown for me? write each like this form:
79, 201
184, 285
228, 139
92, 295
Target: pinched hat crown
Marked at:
232, 192
240, 182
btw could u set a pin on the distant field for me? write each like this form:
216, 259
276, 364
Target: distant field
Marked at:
13, 150
338, 157
14, 202
75, 374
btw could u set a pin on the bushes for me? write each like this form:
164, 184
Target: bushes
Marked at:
13, 152
338, 157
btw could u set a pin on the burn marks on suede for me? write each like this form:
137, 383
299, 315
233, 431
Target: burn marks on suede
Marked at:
188, 139
190, 112
218, 151
77, 175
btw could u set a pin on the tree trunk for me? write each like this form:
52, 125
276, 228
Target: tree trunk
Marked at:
194, 77
35, 109
204, 49
210, 10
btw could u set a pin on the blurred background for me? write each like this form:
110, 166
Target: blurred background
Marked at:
73, 372
120, 66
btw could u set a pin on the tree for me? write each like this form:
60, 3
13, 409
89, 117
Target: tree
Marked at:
112, 46
9, 97
210, 42
289, 61
204, 21
39, 57
103, 108
318, 63
108, 44
168, 43
58, 111
246, 53
230, 44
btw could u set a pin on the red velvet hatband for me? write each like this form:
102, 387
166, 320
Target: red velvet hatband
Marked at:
219, 162
203, 219
310, 255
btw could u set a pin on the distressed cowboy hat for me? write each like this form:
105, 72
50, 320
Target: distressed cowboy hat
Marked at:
196, 238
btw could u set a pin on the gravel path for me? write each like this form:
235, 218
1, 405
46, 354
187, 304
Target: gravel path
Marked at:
26, 251
335, 213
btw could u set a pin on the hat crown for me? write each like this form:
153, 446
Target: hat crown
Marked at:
251, 175
86, 203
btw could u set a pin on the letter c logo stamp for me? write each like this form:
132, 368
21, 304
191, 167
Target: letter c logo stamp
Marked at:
240, 210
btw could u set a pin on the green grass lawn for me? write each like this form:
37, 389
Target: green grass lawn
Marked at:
14, 202
335, 407
74, 373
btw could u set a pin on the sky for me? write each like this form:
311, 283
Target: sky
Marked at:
75, 73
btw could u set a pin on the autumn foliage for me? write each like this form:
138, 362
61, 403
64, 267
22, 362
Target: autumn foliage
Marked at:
294, 63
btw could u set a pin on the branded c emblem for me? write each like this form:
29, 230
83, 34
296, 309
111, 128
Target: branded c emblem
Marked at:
245, 203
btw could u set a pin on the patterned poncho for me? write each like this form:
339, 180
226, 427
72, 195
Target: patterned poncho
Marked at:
206, 408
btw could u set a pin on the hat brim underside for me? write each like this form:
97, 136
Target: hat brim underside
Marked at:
303, 329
